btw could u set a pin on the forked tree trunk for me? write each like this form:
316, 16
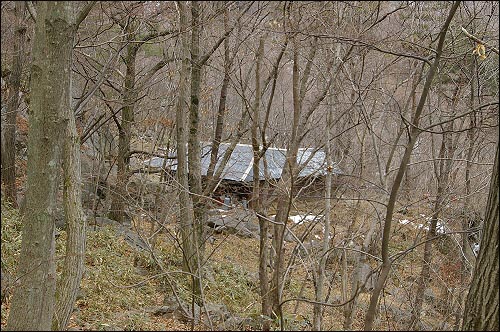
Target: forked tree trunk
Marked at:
481, 307
33, 301
289, 172
467, 219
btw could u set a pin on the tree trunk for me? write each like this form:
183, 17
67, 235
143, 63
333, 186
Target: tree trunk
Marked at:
317, 311
350, 308
283, 189
222, 105
414, 132
194, 152
445, 155
67, 288
467, 216
186, 215
14, 82
481, 306
289, 172
256, 199
124, 131
33, 301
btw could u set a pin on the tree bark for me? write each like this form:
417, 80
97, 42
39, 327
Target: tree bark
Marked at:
467, 218
222, 104
33, 301
194, 156
481, 306
186, 215
67, 288
124, 130
317, 311
14, 83
256, 199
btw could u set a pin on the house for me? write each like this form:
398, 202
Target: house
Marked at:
237, 176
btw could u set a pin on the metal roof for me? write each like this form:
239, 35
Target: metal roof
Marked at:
239, 165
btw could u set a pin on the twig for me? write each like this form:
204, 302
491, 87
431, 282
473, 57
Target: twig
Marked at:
477, 40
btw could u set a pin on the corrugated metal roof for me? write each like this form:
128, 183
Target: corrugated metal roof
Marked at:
239, 165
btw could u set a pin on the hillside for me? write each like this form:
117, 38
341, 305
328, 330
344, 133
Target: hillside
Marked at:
124, 288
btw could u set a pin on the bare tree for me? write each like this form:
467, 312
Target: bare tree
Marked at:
130, 92
414, 132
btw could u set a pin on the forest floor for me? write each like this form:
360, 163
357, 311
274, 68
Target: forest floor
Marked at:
123, 288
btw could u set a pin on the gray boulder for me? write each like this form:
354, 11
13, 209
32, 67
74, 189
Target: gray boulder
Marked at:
240, 222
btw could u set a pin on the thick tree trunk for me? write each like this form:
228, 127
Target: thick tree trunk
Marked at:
33, 301
9, 151
481, 307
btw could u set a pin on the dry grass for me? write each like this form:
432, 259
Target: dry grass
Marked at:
109, 298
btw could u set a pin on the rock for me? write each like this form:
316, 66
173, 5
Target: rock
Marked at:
236, 323
240, 222
309, 247
289, 236
217, 312
164, 310
123, 230
399, 315
429, 295
186, 317
110, 327
103, 221
367, 276
133, 239
231, 324
171, 308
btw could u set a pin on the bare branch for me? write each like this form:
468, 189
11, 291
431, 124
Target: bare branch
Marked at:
31, 10
85, 11
477, 40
